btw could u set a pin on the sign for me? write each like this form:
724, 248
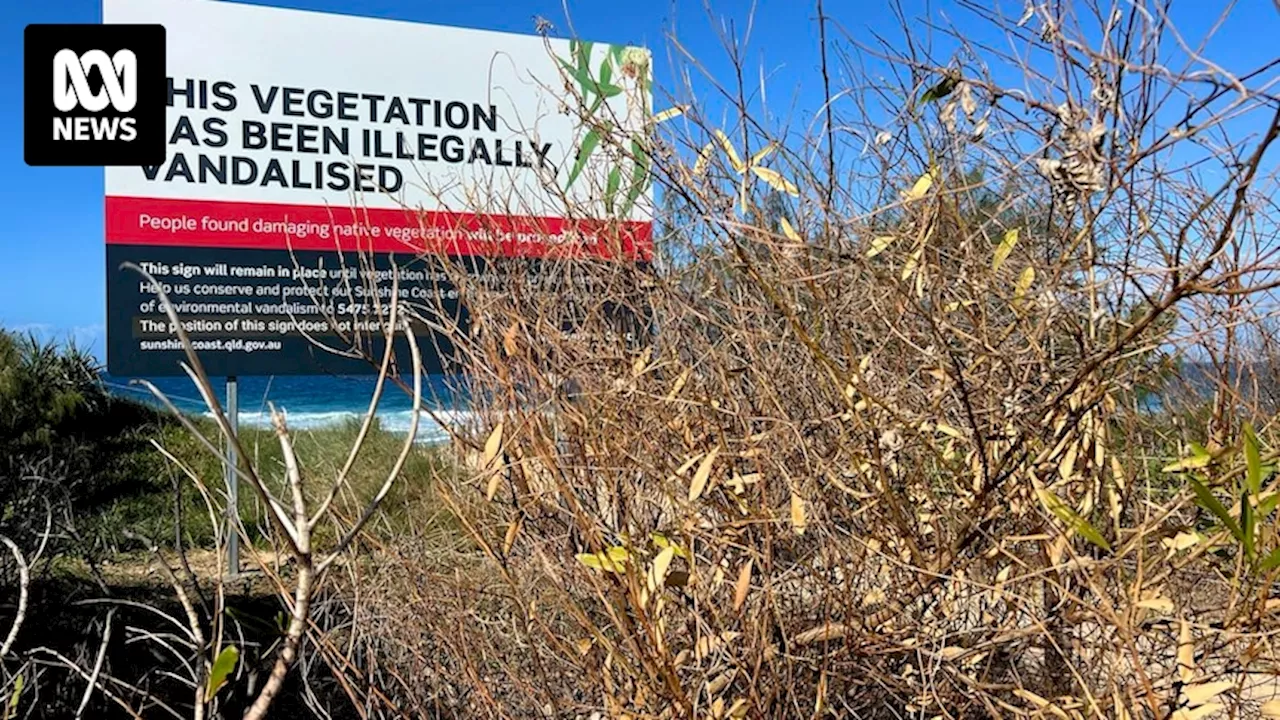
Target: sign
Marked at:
94, 94
299, 145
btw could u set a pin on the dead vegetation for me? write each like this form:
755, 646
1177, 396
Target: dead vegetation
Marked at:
960, 405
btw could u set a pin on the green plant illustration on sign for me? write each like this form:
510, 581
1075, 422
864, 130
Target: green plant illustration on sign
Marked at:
626, 141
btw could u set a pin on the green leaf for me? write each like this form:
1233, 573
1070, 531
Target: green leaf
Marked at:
606, 71
222, 667
589, 143
1272, 561
615, 51
639, 176
19, 682
939, 91
1215, 506
584, 54
611, 188
1199, 458
581, 75
1073, 520
1253, 459
1246, 521
608, 91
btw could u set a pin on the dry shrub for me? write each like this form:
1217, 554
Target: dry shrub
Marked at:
908, 424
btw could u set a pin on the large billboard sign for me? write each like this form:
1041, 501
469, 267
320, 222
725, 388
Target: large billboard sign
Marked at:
308, 152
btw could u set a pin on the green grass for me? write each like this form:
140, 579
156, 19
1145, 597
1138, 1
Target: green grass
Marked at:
156, 496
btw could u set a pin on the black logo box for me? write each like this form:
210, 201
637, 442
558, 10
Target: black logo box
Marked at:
41, 43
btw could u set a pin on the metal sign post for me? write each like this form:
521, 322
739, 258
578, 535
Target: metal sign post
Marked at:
233, 506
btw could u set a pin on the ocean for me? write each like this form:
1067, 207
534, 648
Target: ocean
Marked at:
315, 401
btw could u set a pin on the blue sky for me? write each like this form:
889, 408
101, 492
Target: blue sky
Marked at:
52, 234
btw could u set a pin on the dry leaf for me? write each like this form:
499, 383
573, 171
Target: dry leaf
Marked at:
509, 339
669, 113
1067, 466
734, 160
584, 646
1271, 709
829, 631
641, 362
798, 520
1181, 541
762, 154
704, 158
743, 586
488, 461
776, 180
913, 261
512, 531
678, 386
952, 652
700, 477
661, 564
1186, 653
491, 447
1197, 713
1159, 604
1202, 693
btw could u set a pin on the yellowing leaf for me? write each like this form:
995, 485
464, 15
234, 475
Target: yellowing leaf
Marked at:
700, 477
584, 646
1202, 693
1195, 462
798, 519
734, 160
1072, 519
704, 159
743, 586
658, 571
879, 245
776, 180
1025, 280
921, 187
1004, 248
669, 113
789, 231
591, 560
1271, 709
946, 429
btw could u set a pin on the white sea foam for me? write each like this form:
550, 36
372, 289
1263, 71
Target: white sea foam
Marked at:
431, 424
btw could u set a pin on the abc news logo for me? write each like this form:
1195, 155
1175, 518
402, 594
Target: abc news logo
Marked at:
94, 95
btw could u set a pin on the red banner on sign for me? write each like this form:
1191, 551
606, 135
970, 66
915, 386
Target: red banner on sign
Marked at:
269, 226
